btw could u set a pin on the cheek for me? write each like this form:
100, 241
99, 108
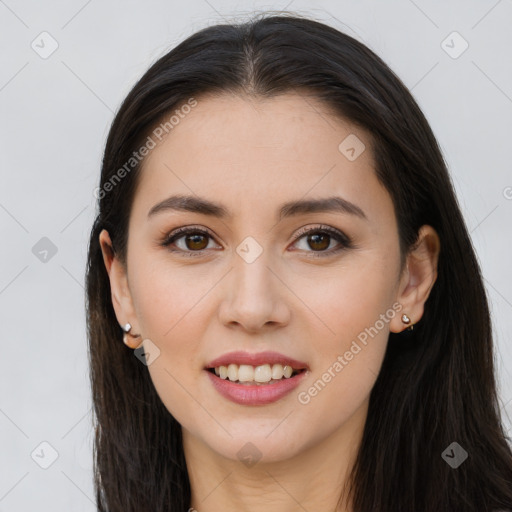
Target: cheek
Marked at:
356, 310
170, 306
353, 301
165, 296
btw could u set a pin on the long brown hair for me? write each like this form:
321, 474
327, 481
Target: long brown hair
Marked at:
437, 384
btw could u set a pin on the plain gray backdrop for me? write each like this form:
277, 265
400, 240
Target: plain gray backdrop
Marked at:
65, 68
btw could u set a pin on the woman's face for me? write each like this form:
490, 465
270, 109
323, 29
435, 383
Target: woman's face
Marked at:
257, 282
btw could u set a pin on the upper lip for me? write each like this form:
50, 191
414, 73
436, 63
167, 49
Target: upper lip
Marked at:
256, 359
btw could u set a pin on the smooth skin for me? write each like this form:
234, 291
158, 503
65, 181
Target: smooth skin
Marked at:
252, 155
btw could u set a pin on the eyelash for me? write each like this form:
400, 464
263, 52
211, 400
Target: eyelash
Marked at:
344, 241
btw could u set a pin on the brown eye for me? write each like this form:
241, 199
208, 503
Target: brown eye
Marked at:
196, 242
319, 241
188, 241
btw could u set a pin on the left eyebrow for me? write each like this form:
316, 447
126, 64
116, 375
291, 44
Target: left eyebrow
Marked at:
195, 204
328, 204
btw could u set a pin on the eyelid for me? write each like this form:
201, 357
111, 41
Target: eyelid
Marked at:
344, 241
191, 227
184, 230
323, 228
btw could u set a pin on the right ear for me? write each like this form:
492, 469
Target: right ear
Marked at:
121, 295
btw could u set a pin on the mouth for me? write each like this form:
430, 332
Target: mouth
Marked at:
260, 375
255, 379
256, 369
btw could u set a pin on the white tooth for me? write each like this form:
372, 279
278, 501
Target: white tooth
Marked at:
263, 373
232, 372
277, 371
245, 373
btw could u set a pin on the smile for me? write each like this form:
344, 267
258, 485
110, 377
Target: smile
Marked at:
262, 374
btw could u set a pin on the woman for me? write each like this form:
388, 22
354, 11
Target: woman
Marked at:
280, 247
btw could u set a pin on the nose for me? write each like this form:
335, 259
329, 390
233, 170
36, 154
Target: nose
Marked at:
255, 297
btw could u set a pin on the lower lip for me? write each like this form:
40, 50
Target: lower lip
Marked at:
255, 394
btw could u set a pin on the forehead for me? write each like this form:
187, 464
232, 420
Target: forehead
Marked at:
240, 150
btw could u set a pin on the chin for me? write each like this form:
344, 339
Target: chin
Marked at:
258, 444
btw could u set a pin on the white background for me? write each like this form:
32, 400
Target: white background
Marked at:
55, 114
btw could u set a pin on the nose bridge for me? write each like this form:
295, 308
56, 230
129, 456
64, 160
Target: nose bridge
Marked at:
253, 255
251, 273
253, 276
254, 297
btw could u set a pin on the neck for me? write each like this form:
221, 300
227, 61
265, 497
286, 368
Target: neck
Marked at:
313, 479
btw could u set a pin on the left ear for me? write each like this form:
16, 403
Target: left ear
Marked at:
418, 278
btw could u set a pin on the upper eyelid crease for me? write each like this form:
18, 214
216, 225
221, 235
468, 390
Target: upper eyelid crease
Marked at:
195, 204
